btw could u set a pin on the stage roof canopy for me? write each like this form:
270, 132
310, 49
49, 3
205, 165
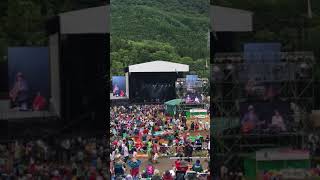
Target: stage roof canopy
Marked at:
159, 66
85, 21
225, 19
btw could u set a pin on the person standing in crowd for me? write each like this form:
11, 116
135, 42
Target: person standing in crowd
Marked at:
192, 126
149, 150
188, 151
155, 151
119, 168
125, 152
134, 164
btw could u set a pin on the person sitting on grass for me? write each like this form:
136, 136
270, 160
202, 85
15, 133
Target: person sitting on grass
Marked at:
149, 170
156, 175
197, 167
167, 176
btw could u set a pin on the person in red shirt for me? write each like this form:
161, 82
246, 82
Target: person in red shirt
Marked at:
138, 144
122, 93
39, 102
115, 143
177, 164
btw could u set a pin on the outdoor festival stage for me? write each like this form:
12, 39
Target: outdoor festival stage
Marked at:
8, 114
112, 97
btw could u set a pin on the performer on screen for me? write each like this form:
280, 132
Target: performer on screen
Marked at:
196, 100
39, 102
188, 99
250, 120
278, 122
122, 94
116, 90
19, 94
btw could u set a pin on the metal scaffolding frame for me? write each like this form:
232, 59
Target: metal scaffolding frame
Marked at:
293, 74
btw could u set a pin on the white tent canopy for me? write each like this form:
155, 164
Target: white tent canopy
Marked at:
91, 20
159, 66
230, 20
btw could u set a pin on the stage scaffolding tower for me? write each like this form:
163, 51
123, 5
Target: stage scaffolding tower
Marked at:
230, 72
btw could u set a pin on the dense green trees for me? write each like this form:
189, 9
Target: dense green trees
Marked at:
23, 22
148, 30
128, 52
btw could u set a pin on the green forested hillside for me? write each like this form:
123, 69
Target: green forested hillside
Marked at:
147, 30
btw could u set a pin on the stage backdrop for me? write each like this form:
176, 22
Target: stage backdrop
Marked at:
264, 54
33, 63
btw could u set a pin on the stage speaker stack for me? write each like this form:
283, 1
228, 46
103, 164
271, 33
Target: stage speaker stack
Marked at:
79, 56
83, 85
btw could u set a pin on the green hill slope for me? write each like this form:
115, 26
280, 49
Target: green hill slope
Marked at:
183, 25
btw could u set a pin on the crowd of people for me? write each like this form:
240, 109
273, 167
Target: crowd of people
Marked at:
147, 132
56, 159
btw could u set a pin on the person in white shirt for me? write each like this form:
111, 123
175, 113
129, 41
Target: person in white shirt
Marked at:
125, 153
277, 121
196, 100
112, 155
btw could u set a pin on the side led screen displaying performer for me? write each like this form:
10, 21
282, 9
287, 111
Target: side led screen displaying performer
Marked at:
265, 117
119, 86
193, 85
28, 69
